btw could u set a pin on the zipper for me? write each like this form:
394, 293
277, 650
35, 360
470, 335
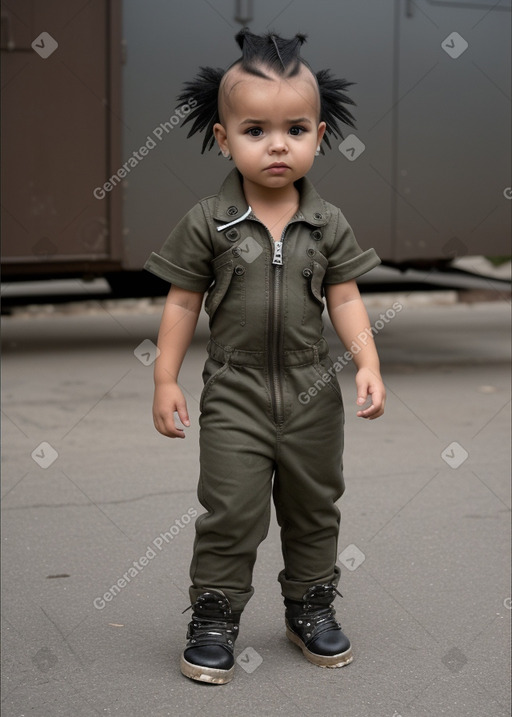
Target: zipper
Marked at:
276, 333
276, 344
275, 326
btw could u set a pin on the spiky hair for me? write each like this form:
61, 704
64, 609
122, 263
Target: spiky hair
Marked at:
279, 55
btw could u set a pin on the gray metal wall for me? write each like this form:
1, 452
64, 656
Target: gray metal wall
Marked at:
434, 116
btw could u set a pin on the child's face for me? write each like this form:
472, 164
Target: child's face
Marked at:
269, 122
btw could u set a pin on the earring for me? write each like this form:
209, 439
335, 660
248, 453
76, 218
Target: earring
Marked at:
226, 154
317, 151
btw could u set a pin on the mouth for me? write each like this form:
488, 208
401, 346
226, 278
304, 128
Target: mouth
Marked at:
277, 168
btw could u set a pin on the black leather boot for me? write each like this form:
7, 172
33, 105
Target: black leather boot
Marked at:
208, 656
311, 625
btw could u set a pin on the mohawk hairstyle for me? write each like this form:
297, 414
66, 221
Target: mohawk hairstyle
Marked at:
280, 56
270, 51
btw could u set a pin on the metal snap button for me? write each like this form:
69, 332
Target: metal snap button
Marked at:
307, 273
310, 252
235, 251
232, 210
317, 215
239, 270
316, 235
232, 234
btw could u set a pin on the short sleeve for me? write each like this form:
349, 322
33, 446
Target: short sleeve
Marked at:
346, 259
185, 258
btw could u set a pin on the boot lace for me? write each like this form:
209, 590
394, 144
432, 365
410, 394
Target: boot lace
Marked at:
215, 626
319, 616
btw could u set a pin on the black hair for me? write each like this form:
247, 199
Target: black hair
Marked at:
279, 55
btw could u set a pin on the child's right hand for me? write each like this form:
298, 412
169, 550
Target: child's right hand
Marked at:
169, 399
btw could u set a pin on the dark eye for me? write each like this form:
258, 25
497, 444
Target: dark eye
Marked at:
296, 131
255, 132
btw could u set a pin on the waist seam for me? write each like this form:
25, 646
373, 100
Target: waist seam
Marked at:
258, 359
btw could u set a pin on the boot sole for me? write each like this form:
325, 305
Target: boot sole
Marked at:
340, 660
206, 674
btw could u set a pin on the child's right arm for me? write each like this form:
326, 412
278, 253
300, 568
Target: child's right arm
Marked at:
177, 328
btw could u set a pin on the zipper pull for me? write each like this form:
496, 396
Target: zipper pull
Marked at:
278, 253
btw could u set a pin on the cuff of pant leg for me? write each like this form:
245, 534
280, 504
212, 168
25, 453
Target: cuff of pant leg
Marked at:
296, 589
237, 600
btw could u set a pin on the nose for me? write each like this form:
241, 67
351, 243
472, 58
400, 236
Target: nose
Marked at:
277, 143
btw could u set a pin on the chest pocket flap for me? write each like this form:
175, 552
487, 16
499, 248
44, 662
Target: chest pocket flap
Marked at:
223, 270
319, 267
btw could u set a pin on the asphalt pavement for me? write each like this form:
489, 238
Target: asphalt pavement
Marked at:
98, 512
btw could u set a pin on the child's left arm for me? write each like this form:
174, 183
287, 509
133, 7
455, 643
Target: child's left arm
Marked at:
350, 320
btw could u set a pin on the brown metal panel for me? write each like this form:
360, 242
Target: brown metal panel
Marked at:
115, 126
17, 25
56, 141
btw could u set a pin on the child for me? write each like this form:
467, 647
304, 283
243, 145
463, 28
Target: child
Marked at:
266, 249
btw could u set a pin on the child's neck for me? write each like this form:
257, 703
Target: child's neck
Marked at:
273, 207
255, 194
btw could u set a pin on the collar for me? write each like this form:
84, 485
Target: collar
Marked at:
231, 204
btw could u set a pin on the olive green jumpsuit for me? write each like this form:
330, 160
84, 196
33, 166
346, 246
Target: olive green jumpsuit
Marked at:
271, 405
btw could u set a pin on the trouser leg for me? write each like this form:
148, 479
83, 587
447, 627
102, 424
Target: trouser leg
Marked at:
307, 484
236, 467
240, 448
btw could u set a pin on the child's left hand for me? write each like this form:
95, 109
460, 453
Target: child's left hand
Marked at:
370, 385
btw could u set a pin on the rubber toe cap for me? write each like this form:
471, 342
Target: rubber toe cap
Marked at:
332, 642
213, 656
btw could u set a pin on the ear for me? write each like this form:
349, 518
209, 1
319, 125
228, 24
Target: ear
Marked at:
222, 138
321, 131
